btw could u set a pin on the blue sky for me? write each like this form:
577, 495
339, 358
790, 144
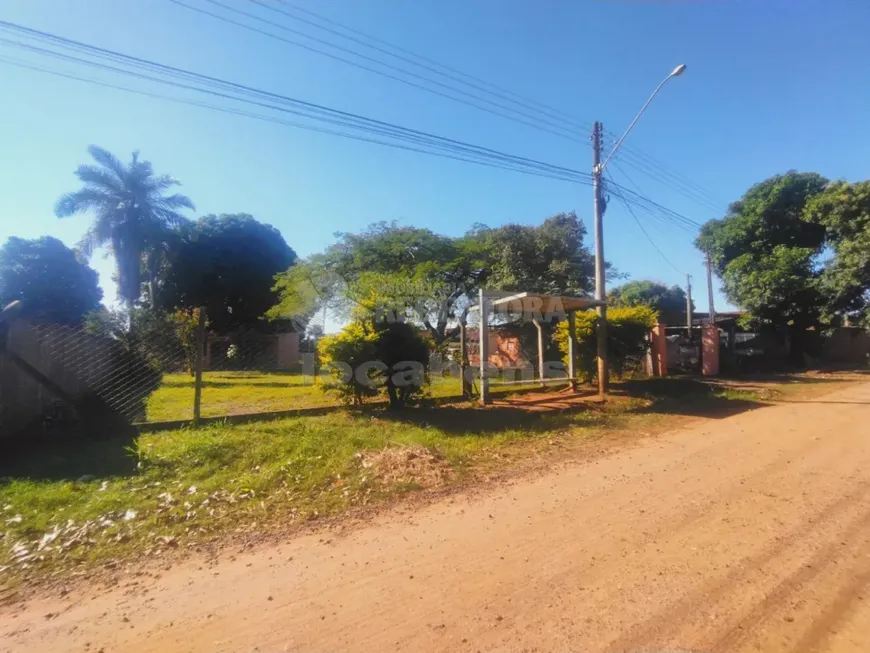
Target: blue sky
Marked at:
769, 86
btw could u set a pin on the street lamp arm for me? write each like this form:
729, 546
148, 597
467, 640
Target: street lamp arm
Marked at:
676, 72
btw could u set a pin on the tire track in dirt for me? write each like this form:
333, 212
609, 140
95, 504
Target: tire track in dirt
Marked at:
678, 541
699, 514
676, 615
835, 613
696, 516
746, 629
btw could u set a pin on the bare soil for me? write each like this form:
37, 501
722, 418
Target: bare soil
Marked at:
749, 532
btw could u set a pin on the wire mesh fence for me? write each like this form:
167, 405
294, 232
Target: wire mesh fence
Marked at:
59, 373
146, 371
174, 368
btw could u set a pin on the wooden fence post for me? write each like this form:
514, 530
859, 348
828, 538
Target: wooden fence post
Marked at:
463, 361
200, 353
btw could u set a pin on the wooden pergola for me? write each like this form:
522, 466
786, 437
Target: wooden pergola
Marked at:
537, 306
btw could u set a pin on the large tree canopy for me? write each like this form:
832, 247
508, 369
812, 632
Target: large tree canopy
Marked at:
52, 285
547, 258
388, 268
669, 302
132, 214
844, 211
765, 251
228, 264
433, 278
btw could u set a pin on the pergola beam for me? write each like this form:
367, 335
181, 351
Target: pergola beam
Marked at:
535, 305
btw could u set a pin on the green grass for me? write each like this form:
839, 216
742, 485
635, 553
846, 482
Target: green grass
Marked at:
185, 486
235, 393
222, 477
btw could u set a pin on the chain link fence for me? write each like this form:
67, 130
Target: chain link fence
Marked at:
163, 369
53, 376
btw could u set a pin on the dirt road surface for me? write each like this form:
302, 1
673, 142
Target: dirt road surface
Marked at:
747, 533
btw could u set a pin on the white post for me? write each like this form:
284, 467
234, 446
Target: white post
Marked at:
540, 329
484, 348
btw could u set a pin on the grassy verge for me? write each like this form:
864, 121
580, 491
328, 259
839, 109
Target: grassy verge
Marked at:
236, 393
69, 508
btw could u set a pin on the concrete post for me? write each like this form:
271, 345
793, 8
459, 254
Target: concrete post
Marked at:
710, 350
659, 349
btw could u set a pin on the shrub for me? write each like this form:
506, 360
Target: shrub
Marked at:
627, 333
368, 360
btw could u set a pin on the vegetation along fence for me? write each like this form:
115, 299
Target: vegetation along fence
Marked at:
56, 377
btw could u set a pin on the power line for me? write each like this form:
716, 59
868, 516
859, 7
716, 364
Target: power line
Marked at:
664, 214
538, 123
643, 229
633, 157
458, 75
270, 119
655, 209
299, 107
671, 182
649, 160
666, 179
419, 141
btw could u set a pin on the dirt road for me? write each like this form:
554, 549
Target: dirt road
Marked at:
749, 533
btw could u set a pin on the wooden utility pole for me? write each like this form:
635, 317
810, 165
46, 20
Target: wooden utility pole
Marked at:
463, 359
710, 289
689, 304
598, 208
200, 352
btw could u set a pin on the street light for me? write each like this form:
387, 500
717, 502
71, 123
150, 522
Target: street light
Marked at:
597, 169
676, 72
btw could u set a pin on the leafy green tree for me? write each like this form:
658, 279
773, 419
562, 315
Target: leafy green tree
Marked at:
132, 214
766, 253
433, 279
48, 279
627, 331
844, 211
548, 258
228, 264
433, 275
305, 289
368, 358
669, 302
387, 247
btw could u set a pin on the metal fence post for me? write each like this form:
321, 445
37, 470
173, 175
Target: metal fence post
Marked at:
200, 353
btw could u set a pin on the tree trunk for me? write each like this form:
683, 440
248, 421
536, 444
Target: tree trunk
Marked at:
393, 392
796, 346
129, 303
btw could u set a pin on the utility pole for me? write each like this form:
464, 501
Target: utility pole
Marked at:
603, 368
599, 205
710, 289
689, 304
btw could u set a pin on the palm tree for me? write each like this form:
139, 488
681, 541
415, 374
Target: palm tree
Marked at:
131, 214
